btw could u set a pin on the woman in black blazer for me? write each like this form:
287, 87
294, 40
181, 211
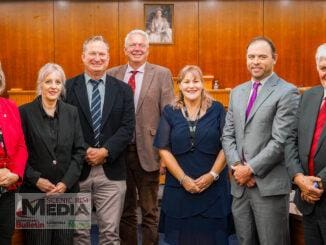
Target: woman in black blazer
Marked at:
55, 146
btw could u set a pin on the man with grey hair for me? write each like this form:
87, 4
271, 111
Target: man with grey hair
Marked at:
305, 153
106, 112
153, 89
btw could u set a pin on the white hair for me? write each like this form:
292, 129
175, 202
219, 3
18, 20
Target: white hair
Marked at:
321, 53
137, 32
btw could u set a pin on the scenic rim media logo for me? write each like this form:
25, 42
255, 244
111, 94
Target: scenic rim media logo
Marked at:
64, 211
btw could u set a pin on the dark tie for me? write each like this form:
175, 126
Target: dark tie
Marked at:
132, 80
252, 98
96, 111
320, 124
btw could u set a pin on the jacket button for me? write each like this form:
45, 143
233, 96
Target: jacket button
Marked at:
54, 162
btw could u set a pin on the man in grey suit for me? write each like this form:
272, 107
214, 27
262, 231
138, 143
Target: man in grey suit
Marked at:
305, 153
256, 127
153, 89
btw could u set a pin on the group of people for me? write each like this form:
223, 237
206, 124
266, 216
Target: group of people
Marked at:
111, 132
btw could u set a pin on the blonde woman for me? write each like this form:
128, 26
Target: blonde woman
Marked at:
55, 146
196, 199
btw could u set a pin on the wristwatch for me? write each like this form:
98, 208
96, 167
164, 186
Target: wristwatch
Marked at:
215, 175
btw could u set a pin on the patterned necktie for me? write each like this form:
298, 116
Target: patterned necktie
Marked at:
132, 81
252, 98
320, 124
96, 111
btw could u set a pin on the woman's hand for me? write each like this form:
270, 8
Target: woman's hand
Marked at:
204, 181
44, 185
190, 185
59, 188
7, 178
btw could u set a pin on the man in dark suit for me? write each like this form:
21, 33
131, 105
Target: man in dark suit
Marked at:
153, 89
306, 156
258, 121
106, 111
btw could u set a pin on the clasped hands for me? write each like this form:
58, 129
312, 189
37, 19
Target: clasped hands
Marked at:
96, 156
309, 192
243, 175
7, 178
49, 188
197, 185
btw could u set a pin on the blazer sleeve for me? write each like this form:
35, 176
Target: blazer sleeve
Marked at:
272, 153
121, 138
291, 149
167, 94
30, 173
77, 155
228, 138
19, 158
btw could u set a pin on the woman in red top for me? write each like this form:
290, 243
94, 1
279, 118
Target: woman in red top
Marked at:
13, 156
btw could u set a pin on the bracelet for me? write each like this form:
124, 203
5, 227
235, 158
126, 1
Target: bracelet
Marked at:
216, 176
183, 179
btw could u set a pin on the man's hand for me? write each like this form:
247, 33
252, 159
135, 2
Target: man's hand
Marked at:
96, 156
242, 173
251, 182
309, 192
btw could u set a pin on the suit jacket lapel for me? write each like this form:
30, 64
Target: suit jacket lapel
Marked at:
147, 80
244, 98
317, 103
264, 93
38, 123
82, 96
110, 95
311, 116
121, 72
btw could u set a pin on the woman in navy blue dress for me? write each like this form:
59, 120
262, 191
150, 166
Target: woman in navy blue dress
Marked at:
196, 198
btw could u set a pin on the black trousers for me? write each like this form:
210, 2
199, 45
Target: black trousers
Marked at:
314, 225
48, 237
7, 217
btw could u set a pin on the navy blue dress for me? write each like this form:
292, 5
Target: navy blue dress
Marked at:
186, 218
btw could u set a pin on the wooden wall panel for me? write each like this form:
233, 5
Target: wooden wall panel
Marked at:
284, 24
315, 34
74, 22
212, 34
26, 41
297, 28
225, 27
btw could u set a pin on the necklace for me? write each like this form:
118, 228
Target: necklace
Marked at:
192, 124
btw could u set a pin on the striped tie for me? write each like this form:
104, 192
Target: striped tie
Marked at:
96, 111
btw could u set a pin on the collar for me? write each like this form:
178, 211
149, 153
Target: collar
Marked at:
262, 82
44, 114
141, 69
87, 78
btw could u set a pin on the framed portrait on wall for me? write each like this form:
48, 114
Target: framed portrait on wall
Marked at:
159, 23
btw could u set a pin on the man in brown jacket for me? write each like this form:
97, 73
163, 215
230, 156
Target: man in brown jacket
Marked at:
153, 89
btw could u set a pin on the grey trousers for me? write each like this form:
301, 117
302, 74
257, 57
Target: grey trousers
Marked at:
108, 199
261, 220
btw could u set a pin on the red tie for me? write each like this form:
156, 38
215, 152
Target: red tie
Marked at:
320, 124
132, 80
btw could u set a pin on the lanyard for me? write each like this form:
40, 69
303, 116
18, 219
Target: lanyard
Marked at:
192, 127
